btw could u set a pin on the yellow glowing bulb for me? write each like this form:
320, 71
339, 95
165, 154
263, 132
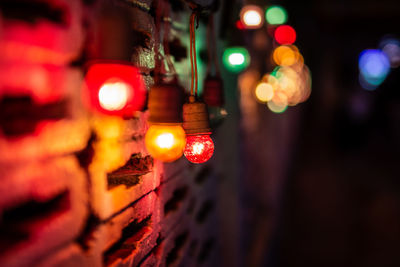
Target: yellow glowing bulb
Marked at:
236, 59
264, 92
165, 142
114, 95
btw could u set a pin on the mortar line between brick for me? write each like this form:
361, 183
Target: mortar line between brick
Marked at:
126, 207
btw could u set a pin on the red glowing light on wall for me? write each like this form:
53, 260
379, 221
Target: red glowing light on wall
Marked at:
199, 148
115, 88
285, 34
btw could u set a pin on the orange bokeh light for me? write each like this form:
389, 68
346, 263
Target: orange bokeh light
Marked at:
287, 55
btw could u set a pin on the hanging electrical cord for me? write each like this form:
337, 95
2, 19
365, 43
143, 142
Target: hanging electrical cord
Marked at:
167, 30
213, 89
212, 47
193, 58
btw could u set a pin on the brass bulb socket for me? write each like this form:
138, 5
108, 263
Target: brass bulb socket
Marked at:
195, 118
165, 103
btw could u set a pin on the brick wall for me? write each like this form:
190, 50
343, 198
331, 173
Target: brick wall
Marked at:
79, 188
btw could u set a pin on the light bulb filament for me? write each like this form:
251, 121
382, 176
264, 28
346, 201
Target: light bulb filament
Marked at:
198, 148
165, 140
113, 96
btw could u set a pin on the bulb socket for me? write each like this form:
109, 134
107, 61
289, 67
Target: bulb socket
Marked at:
195, 118
165, 103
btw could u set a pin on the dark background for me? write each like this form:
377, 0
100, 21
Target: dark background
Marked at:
335, 187
342, 199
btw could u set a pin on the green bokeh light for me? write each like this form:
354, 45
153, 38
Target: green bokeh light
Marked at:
276, 15
236, 59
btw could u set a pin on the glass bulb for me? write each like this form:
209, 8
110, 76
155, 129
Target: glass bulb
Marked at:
165, 142
199, 148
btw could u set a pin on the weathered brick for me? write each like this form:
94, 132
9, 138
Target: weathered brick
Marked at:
71, 255
175, 200
29, 42
121, 171
38, 202
67, 133
132, 234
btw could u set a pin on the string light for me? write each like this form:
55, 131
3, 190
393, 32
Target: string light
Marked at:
287, 55
264, 92
114, 95
374, 66
236, 59
285, 34
165, 139
251, 17
199, 146
276, 15
115, 88
165, 142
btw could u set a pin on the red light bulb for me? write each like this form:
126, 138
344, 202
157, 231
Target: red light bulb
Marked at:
199, 148
115, 88
285, 34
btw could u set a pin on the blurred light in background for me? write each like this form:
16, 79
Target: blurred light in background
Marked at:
261, 41
236, 59
276, 15
391, 47
374, 66
365, 84
276, 108
251, 17
239, 25
264, 92
285, 34
287, 55
284, 86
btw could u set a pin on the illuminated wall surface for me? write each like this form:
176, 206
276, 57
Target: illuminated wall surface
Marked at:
78, 187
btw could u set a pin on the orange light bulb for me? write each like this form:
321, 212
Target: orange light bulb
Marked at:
165, 142
199, 148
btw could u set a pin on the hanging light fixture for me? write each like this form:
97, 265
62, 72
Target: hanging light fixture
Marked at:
165, 139
199, 146
213, 88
